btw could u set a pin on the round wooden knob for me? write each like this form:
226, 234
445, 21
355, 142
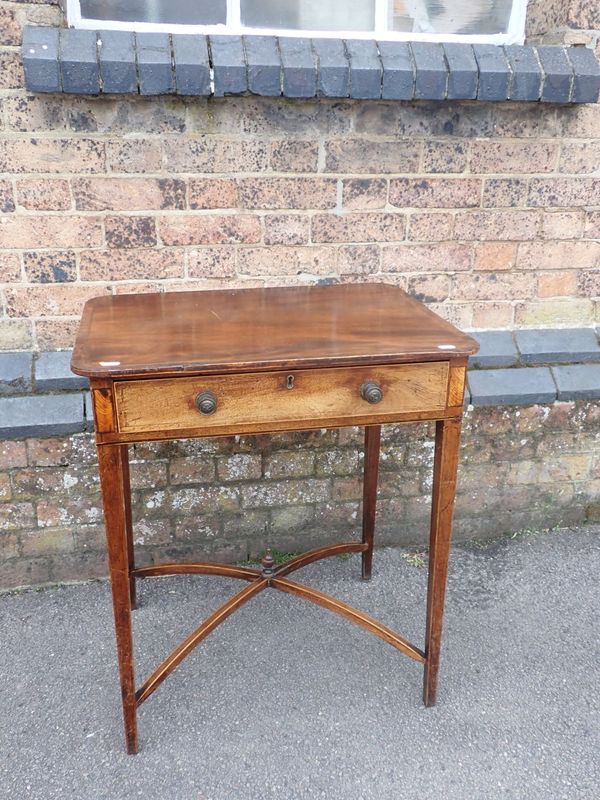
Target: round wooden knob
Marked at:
371, 392
206, 403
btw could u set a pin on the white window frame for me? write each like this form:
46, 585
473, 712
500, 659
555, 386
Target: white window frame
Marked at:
515, 33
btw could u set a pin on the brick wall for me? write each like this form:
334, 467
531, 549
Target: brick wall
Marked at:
527, 468
488, 212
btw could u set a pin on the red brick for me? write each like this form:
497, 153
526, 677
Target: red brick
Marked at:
564, 192
206, 154
497, 225
239, 467
516, 156
128, 232
191, 469
443, 156
11, 70
134, 155
50, 301
49, 266
429, 227
357, 259
50, 231
12, 454
364, 194
580, 157
435, 192
558, 255
429, 288
209, 229
286, 229
499, 192
443, 257
293, 156
66, 511
489, 286
294, 193
356, 227
126, 265
40, 541
277, 260
44, 194
562, 225
16, 515
10, 268
32, 571
213, 193
128, 194
557, 284
372, 156
495, 256
51, 155
61, 451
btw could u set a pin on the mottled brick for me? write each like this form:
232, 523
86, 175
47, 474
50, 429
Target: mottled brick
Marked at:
435, 192
11, 70
50, 301
355, 227
428, 227
563, 225
50, 266
363, 155
51, 155
286, 229
495, 256
558, 255
10, 267
579, 157
443, 156
443, 257
357, 259
37, 194
366, 194
7, 202
10, 27
279, 260
49, 231
497, 225
134, 155
294, 156
133, 264
127, 232
209, 193
429, 288
489, 286
128, 194
214, 229
215, 155
294, 193
211, 262
499, 192
564, 192
516, 156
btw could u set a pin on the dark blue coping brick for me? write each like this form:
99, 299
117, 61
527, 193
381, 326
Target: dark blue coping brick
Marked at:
398, 71
527, 75
15, 372
52, 371
431, 72
496, 349
78, 55
463, 73
264, 65
586, 82
192, 66
154, 63
116, 52
228, 61
41, 59
558, 74
41, 415
299, 64
366, 72
556, 346
578, 381
494, 72
333, 68
507, 387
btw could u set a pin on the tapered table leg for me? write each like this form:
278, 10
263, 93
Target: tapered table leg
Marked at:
115, 501
447, 443
124, 454
372, 440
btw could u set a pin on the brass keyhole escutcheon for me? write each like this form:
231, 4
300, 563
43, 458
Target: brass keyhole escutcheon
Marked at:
206, 403
289, 384
372, 392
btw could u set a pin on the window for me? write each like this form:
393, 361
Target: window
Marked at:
496, 21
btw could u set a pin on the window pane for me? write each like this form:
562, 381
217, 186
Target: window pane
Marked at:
192, 12
317, 15
450, 16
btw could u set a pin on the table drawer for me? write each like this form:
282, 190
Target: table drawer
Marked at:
255, 401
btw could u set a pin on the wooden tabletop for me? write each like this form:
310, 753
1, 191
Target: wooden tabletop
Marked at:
260, 329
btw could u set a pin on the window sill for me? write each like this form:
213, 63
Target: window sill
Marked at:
118, 62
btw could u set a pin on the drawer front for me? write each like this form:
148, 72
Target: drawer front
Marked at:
256, 401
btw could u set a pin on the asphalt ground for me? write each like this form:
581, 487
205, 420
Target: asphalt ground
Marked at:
288, 701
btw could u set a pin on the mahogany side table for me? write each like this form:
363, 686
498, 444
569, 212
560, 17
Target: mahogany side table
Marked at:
215, 363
